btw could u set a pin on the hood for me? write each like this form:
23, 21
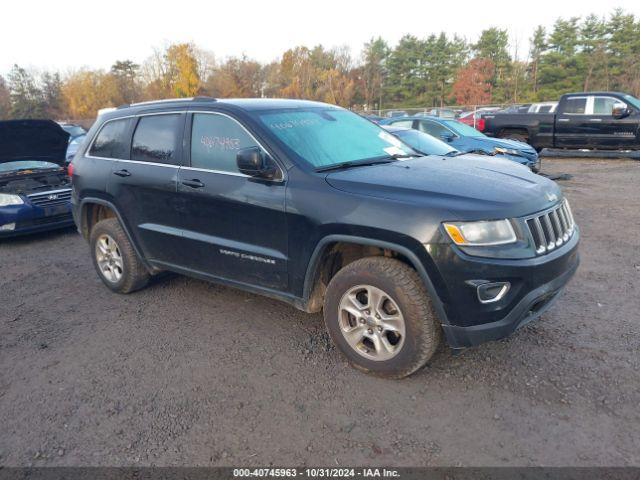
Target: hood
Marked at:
42, 140
469, 186
489, 144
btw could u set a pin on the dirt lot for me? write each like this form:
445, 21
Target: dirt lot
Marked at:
189, 373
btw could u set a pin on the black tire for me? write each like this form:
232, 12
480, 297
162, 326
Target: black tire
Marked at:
134, 275
519, 137
403, 285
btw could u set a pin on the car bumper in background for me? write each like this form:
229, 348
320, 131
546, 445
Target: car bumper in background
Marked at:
27, 219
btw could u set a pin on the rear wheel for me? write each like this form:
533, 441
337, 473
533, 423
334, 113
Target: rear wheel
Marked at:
379, 315
114, 258
517, 136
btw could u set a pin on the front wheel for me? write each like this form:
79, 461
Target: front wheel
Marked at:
380, 316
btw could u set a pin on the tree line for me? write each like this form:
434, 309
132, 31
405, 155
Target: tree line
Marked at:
576, 54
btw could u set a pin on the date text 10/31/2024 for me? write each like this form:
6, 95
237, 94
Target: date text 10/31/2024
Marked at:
316, 472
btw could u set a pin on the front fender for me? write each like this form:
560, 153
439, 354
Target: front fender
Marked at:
419, 265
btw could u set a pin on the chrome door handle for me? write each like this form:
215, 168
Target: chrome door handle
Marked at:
563, 120
595, 119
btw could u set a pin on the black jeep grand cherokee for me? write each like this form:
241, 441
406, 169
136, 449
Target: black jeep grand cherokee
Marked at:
314, 205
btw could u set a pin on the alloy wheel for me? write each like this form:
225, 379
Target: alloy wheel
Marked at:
371, 322
109, 258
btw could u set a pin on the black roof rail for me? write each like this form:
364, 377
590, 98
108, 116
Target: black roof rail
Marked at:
202, 98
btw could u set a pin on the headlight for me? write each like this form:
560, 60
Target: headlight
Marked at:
7, 199
481, 234
506, 151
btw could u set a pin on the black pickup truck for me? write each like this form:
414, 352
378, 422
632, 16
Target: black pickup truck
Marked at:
594, 120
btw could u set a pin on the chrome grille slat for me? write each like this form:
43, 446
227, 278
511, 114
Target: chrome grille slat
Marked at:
551, 229
50, 198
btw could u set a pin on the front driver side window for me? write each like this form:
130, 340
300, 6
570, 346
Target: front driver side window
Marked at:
605, 105
432, 128
215, 141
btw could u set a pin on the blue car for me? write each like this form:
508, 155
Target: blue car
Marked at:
73, 147
35, 190
73, 130
467, 139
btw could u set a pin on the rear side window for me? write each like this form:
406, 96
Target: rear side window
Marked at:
112, 141
575, 106
156, 139
215, 141
403, 123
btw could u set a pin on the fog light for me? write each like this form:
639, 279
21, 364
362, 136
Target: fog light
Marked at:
492, 292
8, 227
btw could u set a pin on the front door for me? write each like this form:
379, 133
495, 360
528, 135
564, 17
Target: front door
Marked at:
234, 226
612, 133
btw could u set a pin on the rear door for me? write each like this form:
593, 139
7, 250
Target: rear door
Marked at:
143, 184
234, 226
573, 125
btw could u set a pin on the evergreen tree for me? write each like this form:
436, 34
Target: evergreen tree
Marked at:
26, 97
374, 71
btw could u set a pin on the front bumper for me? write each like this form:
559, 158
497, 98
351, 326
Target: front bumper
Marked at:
31, 219
535, 285
531, 160
532, 305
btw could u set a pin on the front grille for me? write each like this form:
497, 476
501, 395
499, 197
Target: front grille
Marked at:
51, 198
552, 228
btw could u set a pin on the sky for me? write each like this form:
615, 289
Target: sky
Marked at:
69, 35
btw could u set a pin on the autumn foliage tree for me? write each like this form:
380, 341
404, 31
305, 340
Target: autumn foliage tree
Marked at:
473, 82
590, 53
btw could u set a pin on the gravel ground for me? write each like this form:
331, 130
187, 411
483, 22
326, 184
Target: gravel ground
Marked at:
190, 373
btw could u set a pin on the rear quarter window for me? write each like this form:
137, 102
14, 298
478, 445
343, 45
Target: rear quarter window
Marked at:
112, 141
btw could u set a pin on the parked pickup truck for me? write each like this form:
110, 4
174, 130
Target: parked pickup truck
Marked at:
594, 120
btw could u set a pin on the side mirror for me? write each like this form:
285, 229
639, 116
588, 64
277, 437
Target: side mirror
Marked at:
620, 111
253, 162
447, 137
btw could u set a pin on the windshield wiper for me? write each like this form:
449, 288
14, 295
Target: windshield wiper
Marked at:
358, 163
454, 153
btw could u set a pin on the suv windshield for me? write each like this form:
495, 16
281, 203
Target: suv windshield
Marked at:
323, 137
633, 101
462, 129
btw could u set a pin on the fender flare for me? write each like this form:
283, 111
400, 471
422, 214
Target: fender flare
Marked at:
106, 203
314, 263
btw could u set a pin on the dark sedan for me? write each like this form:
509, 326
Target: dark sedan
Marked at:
35, 190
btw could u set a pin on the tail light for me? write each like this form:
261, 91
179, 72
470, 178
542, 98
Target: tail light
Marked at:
480, 124
70, 170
